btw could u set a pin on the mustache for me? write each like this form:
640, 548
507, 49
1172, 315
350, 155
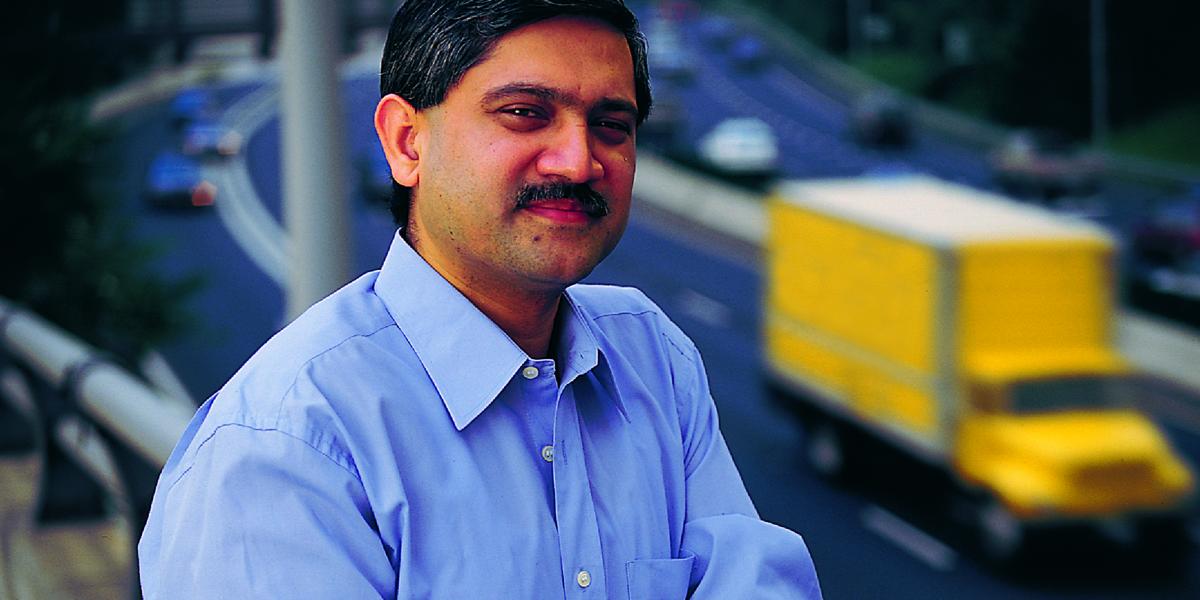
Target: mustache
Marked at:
594, 203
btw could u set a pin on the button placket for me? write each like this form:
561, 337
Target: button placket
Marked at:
579, 531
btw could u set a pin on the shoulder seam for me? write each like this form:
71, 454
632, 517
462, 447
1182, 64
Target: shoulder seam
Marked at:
351, 471
308, 361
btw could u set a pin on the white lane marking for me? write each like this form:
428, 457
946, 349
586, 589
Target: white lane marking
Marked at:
259, 235
704, 309
247, 220
908, 538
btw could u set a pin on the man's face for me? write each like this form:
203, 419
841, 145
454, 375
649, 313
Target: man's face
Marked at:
553, 103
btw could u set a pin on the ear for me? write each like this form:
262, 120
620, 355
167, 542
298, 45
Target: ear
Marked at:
396, 125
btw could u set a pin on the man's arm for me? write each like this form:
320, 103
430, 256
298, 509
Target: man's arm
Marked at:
737, 554
263, 514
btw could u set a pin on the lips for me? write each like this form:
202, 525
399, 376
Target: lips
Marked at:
562, 210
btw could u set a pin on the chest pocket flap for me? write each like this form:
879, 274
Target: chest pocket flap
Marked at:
659, 578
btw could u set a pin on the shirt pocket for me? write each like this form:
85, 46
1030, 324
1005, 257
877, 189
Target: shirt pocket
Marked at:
659, 578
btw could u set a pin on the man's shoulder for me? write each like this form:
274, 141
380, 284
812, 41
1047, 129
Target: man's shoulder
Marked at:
332, 340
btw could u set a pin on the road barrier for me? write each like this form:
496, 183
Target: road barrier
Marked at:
102, 434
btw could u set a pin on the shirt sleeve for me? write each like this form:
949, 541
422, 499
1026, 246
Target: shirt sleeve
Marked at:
737, 555
263, 514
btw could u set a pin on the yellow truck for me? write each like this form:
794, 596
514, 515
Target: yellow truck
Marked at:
975, 334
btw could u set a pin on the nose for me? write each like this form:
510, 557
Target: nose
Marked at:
569, 156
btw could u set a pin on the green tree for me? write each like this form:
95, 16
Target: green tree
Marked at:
68, 254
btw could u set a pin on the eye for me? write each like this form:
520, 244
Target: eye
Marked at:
613, 131
616, 124
523, 111
522, 117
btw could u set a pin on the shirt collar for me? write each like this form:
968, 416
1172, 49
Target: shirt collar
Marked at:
580, 352
467, 356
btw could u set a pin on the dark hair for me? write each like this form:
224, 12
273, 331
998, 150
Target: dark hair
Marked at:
432, 43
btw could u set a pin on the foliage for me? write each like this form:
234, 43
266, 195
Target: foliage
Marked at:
69, 256
1029, 60
1169, 136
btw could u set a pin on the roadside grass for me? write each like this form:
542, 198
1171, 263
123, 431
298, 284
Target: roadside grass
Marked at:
1169, 136
905, 71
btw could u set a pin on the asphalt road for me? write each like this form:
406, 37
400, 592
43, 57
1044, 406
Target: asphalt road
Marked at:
889, 536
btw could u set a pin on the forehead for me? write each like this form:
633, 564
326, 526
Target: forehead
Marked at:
582, 56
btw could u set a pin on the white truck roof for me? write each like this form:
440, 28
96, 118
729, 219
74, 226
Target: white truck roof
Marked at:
934, 210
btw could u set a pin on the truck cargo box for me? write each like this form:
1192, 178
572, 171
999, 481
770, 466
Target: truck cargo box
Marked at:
880, 292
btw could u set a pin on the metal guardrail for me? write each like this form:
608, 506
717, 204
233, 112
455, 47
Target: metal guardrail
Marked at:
102, 434
145, 421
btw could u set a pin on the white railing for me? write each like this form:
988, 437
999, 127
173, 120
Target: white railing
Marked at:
148, 422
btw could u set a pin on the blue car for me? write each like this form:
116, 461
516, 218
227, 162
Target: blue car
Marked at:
748, 53
177, 181
191, 104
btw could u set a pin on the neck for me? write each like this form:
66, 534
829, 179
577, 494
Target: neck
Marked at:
528, 320
527, 316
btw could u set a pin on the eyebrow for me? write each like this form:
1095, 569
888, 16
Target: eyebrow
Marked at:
553, 95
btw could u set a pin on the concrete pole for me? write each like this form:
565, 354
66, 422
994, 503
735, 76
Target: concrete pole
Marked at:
315, 206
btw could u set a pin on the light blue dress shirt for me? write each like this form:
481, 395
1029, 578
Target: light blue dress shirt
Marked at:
393, 442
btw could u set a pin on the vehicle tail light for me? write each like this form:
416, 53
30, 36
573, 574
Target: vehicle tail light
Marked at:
204, 194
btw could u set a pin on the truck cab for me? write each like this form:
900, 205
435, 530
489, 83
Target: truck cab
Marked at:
1046, 445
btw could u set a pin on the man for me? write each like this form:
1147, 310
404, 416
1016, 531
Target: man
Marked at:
466, 422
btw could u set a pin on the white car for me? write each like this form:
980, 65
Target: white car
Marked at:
742, 146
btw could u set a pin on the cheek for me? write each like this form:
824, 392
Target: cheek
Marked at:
618, 178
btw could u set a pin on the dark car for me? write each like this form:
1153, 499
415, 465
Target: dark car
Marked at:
748, 53
1164, 250
1172, 230
177, 181
663, 128
716, 31
1045, 164
881, 119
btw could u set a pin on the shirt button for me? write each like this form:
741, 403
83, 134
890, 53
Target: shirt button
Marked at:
548, 453
529, 372
584, 579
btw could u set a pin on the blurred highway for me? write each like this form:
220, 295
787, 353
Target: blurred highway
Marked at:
883, 538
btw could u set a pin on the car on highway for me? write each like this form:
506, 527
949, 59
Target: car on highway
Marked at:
717, 31
748, 53
663, 128
1045, 164
191, 104
668, 59
1166, 249
744, 149
174, 180
205, 138
881, 119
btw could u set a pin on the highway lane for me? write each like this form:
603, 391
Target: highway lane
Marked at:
714, 297
888, 536
874, 541
238, 307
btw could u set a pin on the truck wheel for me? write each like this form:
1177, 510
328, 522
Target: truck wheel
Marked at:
1001, 534
825, 450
